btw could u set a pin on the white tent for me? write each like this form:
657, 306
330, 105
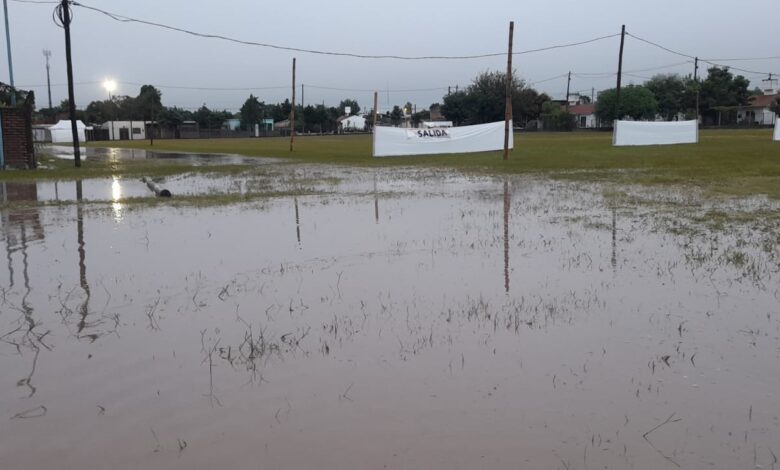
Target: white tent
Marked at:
61, 132
777, 129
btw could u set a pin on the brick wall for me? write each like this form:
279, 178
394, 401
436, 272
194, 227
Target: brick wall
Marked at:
17, 137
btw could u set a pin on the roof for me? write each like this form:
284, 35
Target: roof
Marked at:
762, 101
582, 109
65, 125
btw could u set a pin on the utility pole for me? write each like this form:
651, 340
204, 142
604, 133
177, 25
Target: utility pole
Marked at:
64, 12
696, 82
376, 105
593, 95
303, 109
47, 54
508, 110
292, 110
10, 60
568, 87
620, 73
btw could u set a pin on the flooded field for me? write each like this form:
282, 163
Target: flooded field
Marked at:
400, 319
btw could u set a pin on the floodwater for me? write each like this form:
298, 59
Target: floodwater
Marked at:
408, 319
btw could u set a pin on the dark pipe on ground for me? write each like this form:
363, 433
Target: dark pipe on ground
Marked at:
158, 190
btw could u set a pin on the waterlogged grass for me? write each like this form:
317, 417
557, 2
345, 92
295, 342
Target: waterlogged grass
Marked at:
728, 162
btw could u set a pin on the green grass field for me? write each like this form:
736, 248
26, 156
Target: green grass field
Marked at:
733, 162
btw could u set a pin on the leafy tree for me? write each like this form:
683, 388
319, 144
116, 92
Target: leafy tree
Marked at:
172, 118
636, 102
556, 118
396, 116
457, 107
420, 116
670, 93
722, 89
352, 104
147, 104
251, 112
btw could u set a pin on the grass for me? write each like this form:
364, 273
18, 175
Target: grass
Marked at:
730, 162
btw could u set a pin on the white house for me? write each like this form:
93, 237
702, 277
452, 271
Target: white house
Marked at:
126, 130
586, 115
62, 132
352, 123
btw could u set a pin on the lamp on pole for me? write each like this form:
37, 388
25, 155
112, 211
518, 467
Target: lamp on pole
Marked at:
110, 86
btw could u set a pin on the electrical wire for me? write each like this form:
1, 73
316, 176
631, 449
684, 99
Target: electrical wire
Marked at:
127, 19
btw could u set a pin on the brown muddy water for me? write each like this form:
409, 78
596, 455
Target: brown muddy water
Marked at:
403, 320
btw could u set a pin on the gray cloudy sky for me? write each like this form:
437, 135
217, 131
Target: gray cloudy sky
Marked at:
136, 53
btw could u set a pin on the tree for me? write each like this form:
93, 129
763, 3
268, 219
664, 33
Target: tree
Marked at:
670, 93
456, 107
636, 102
420, 116
148, 104
355, 107
251, 112
722, 89
556, 118
396, 116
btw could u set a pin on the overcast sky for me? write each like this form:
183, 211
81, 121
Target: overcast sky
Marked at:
136, 53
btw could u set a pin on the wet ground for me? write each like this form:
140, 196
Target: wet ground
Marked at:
405, 319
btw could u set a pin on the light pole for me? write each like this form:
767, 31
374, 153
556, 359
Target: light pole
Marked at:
10, 61
110, 86
47, 54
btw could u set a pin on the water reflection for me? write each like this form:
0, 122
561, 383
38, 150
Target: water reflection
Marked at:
297, 221
376, 202
116, 197
19, 229
507, 205
84, 307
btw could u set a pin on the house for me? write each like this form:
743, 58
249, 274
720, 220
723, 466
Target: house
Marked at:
352, 123
63, 132
585, 115
758, 111
126, 130
231, 124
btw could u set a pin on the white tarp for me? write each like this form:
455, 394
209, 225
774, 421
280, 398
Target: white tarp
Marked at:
393, 141
655, 133
62, 132
777, 129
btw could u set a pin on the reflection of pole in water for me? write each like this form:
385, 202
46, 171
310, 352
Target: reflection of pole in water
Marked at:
84, 310
297, 221
376, 202
506, 235
614, 240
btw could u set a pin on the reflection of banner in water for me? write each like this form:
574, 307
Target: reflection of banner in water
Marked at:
391, 141
777, 129
655, 133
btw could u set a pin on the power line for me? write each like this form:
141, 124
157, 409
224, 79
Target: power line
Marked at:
127, 19
694, 57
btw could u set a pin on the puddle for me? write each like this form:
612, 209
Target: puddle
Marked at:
406, 320
110, 154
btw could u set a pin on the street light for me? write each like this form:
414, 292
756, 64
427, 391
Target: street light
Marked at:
110, 85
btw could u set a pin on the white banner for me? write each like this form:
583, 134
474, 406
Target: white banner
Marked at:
655, 133
392, 141
777, 129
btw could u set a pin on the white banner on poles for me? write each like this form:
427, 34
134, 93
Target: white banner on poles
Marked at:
777, 129
393, 141
655, 133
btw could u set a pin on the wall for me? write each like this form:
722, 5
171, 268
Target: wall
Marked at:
18, 147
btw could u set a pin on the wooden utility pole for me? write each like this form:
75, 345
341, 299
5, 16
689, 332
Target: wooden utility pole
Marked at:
292, 110
65, 11
568, 87
303, 109
508, 111
696, 83
376, 105
620, 72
